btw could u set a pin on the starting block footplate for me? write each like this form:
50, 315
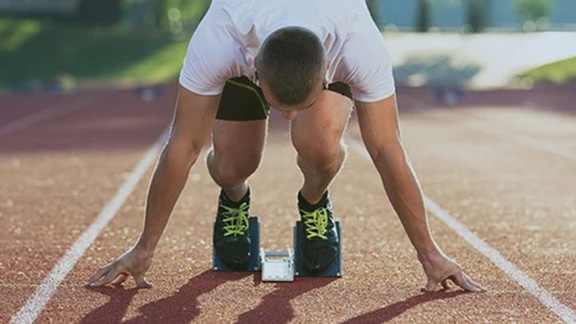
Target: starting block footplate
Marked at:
334, 270
254, 260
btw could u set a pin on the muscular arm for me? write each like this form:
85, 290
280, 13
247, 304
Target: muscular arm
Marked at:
191, 126
381, 135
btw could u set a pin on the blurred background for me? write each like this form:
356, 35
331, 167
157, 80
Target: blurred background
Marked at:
59, 45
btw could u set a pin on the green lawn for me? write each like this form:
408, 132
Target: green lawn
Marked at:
40, 50
556, 73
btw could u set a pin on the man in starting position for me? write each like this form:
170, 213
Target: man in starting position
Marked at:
312, 61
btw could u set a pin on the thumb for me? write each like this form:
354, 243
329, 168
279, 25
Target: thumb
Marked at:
141, 282
430, 285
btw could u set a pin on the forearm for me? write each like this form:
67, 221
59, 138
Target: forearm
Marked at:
167, 182
404, 192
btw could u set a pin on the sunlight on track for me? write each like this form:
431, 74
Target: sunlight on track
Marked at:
544, 296
33, 307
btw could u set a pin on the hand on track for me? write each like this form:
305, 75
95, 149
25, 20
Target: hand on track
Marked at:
441, 269
133, 263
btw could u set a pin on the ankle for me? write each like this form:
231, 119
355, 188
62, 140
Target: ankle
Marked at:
236, 194
236, 200
306, 205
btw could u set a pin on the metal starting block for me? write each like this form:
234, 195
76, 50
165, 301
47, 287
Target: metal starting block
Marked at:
254, 259
334, 270
280, 265
277, 266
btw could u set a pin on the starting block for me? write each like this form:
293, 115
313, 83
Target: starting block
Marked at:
254, 259
281, 265
333, 270
277, 266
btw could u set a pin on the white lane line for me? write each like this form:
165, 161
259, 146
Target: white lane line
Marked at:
47, 114
37, 301
561, 310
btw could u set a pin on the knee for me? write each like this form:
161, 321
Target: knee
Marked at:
321, 157
230, 170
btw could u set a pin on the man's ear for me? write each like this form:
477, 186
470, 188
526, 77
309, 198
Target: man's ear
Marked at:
256, 62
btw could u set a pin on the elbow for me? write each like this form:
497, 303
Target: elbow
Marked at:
390, 160
182, 154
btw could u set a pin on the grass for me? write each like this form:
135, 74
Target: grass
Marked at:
561, 72
41, 50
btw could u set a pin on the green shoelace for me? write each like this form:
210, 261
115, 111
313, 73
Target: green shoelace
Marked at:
315, 223
235, 220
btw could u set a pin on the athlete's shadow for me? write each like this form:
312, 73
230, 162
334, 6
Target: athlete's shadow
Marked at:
115, 309
275, 307
182, 307
390, 312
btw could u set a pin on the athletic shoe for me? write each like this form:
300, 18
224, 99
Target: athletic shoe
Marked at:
231, 236
320, 246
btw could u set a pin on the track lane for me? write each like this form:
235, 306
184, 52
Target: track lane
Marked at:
57, 176
19, 111
521, 196
381, 275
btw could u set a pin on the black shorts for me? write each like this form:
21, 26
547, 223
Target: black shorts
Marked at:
242, 100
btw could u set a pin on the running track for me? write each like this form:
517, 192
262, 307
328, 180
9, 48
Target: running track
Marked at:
498, 172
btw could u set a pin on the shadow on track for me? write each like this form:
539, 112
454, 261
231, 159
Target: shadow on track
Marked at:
547, 98
435, 70
115, 309
275, 307
109, 121
390, 312
182, 307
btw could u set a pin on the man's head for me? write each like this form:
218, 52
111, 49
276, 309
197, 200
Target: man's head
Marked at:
291, 66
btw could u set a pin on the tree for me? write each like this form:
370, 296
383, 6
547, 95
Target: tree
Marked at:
374, 7
476, 14
533, 12
99, 11
424, 15
173, 15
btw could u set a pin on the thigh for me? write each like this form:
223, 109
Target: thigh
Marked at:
322, 125
239, 131
242, 100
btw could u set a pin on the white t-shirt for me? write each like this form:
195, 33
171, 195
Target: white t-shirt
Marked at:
228, 39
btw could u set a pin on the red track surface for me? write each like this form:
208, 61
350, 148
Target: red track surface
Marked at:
57, 175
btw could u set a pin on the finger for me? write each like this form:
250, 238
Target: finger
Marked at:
98, 274
120, 280
106, 279
446, 284
141, 281
474, 284
459, 279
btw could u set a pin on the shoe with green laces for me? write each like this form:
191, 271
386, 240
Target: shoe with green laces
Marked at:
231, 231
321, 241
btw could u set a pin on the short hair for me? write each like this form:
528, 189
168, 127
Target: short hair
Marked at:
292, 61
